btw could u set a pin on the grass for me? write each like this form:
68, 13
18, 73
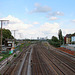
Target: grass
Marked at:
21, 46
27, 44
4, 56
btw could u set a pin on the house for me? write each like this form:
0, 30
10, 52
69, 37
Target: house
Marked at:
67, 39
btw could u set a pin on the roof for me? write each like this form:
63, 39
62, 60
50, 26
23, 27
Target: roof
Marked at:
68, 35
73, 34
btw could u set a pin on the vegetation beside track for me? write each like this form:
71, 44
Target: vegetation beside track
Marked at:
18, 48
4, 56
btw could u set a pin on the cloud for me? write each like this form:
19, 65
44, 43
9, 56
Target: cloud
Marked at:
68, 31
49, 29
53, 18
28, 30
40, 9
73, 21
16, 24
35, 22
58, 13
37, 4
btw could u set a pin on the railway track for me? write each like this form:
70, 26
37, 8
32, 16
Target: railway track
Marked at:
38, 60
70, 61
55, 63
57, 50
38, 66
14, 66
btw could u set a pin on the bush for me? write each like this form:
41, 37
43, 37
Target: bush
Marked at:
55, 44
73, 42
15, 55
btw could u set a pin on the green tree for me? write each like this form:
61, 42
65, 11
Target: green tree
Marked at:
60, 37
55, 39
6, 34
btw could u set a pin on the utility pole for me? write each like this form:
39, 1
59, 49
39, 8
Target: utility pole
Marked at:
20, 35
1, 32
14, 34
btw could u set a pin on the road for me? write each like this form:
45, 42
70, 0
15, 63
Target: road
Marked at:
37, 59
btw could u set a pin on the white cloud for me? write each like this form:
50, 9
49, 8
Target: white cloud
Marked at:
52, 28
37, 4
53, 18
28, 31
35, 22
40, 9
56, 13
59, 13
49, 29
68, 31
16, 24
73, 20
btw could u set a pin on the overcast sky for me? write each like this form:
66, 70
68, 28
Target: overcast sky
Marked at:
38, 18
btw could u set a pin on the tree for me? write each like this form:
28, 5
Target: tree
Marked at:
6, 34
55, 39
60, 37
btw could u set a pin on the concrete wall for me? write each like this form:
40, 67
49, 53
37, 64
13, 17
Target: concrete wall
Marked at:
71, 47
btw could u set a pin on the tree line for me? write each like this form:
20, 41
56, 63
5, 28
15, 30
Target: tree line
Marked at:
57, 42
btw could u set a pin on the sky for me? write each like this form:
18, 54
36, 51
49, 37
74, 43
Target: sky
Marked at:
38, 18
